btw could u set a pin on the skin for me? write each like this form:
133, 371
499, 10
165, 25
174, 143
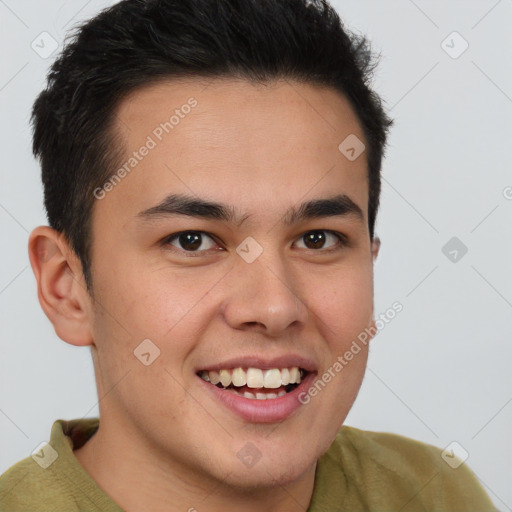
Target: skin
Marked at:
163, 443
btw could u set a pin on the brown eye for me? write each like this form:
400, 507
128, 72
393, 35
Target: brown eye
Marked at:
191, 241
317, 239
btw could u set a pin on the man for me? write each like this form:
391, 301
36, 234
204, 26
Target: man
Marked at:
212, 179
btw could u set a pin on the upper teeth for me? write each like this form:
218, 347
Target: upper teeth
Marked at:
254, 377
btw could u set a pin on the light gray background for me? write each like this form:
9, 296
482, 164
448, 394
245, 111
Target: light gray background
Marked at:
440, 371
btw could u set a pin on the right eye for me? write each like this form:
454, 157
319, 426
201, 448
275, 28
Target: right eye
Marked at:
190, 241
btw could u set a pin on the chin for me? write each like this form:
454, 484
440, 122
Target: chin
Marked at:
266, 476
273, 466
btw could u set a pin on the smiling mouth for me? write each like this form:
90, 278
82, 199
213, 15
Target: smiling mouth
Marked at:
255, 383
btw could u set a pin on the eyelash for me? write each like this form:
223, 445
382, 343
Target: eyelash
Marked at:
340, 236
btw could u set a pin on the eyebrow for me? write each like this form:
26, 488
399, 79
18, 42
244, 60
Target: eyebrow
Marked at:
179, 204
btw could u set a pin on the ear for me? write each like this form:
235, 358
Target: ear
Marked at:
60, 285
375, 247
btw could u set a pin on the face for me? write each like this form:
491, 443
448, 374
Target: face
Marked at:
206, 246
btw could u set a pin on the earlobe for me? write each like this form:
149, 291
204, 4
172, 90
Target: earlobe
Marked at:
375, 247
60, 289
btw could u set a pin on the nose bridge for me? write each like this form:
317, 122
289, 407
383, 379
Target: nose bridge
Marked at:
264, 292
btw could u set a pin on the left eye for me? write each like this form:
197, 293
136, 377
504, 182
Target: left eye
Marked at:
317, 239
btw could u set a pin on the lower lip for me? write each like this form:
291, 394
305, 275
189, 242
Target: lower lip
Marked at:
271, 410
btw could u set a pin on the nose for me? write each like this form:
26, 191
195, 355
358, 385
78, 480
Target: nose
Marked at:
263, 297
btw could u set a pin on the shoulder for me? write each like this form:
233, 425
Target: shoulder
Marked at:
51, 478
392, 469
391, 452
26, 485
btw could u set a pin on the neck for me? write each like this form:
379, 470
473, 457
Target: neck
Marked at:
137, 478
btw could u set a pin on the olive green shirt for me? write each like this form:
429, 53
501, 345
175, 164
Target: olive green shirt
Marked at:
361, 471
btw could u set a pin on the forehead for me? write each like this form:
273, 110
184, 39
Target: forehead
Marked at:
224, 106
236, 142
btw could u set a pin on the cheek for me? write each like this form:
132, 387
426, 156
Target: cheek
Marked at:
343, 303
152, 300
171, 308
